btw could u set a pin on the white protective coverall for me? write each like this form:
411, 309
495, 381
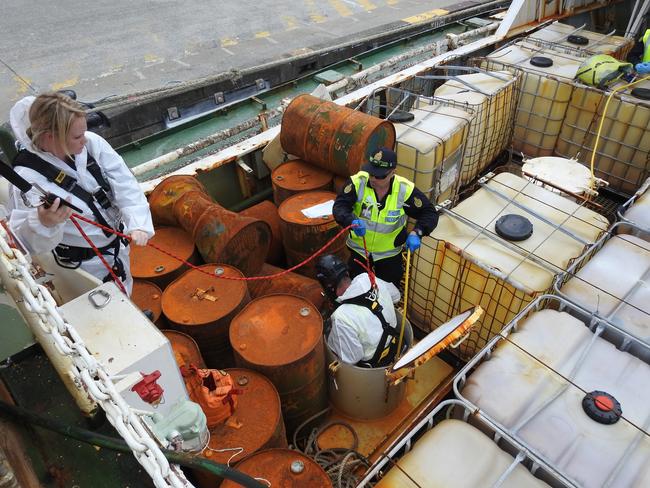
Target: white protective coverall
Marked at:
127, 197
356, 331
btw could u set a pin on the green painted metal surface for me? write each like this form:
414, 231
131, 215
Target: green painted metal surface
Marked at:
167, 141
15, 333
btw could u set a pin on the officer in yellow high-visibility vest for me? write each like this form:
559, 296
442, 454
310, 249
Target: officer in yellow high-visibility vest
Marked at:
377, 202
646, 47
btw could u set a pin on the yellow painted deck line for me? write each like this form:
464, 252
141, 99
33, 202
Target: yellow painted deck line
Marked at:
228, 41
424, 16
341, 8
65, 83
262, 35
290, 22
392, 2
367, 5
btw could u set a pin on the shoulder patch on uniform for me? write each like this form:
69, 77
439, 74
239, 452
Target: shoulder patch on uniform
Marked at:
417, 202
348, 188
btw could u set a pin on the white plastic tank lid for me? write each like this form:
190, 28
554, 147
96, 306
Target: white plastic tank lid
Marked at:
566, 174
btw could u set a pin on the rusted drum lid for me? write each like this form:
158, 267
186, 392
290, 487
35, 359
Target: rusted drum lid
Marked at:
147, 296
276, 330
200, 297
150, 264
298, 175
283, 468
291, 209
163, 197
258, 417
185, 349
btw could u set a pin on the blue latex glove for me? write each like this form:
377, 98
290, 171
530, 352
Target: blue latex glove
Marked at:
413, 242
359, 227
643, 68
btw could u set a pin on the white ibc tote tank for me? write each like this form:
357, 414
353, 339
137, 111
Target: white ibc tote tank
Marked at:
567, 394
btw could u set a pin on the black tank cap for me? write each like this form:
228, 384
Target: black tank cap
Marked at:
602, 407
642, 93
541, 61
401, 116
578, 40
514, 227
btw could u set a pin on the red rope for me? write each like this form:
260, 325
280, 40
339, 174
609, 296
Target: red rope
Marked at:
116, 279
197, 268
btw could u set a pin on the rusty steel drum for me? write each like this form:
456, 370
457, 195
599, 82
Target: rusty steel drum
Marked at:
291, 283
283, 468
202, 306
258, 426
303, 236
268, 212
339, 183
297, 176
331, 136
163, 197
222, 236
147, 296
281, 336
185, 349
152, 265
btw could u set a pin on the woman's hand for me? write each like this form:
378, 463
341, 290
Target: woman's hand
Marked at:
139, 238
55, 214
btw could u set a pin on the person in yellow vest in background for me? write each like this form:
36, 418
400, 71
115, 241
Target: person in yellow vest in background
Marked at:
377, 203
644, 66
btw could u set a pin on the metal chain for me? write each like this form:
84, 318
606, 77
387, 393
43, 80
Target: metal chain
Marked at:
87, 372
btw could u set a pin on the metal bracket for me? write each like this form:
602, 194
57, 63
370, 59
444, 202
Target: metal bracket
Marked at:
99, 304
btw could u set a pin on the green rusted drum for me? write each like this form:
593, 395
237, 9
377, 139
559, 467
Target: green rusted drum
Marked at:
331, 136
222, 236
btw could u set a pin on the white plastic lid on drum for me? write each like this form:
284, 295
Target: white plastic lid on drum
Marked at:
456, 455
523, 387
616, 284
566, 174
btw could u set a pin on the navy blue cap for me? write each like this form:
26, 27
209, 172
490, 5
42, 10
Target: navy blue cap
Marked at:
381, 163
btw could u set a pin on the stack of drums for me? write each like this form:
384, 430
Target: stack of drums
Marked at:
546, 87
298, 176
590, 42
303, 236
291, 283
256, 424
201, 304
147, 296
281, 336
152, 265
492, 97
267, 212
430, 148
332, 137
283, 468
